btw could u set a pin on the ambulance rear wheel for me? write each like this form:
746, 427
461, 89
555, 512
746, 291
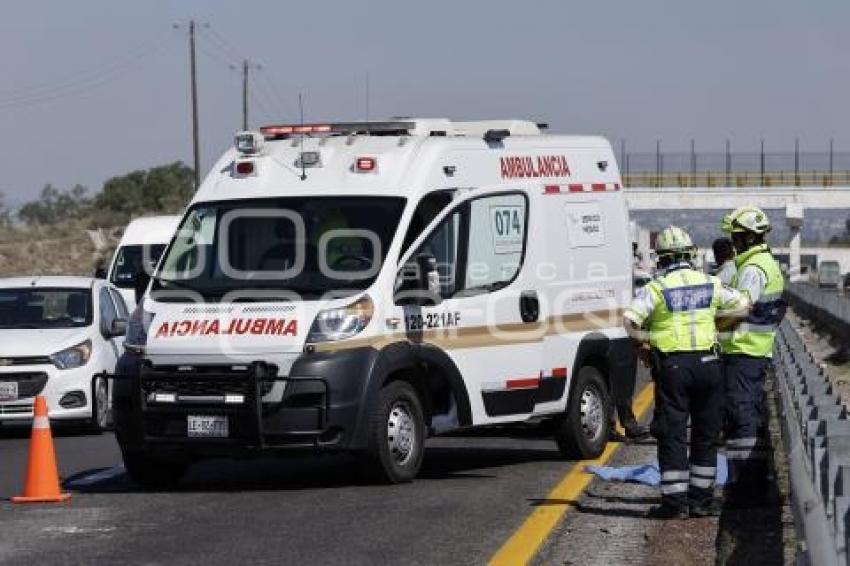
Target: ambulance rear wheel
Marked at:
154, 472
396, 435
583, 431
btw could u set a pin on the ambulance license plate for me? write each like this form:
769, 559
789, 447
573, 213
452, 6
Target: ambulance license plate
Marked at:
8, 391
207, 426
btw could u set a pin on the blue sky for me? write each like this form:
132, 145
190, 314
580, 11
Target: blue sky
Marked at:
93, 89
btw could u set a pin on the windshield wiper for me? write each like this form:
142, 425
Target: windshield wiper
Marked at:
163, 282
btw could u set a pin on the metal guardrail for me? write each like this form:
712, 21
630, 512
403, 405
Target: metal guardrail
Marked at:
816, 432
738, 179
829, 307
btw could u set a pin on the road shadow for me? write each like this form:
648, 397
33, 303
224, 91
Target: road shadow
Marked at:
750, 530
319, 472
598, 509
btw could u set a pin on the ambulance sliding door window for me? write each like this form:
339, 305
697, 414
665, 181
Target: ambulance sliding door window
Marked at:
496, 243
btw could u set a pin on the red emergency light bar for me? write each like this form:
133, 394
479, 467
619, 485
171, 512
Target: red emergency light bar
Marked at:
340, 128
284, 130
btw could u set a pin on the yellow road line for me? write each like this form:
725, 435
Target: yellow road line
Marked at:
527, 540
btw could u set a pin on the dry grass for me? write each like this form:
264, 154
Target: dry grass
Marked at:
63, 249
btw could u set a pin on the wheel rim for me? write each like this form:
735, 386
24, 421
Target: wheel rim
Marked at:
100, 400
401, 432
592, 413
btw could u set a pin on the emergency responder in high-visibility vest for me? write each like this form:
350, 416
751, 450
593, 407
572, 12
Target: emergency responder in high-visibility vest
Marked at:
746, 354
675, 315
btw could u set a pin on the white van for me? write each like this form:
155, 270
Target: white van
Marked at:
140, 247
360, 286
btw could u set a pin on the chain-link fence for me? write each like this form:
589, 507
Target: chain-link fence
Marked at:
728, 168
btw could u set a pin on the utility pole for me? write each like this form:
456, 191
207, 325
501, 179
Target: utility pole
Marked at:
197, 156
246, 67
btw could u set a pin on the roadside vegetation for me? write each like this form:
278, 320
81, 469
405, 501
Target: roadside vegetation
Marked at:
71, 231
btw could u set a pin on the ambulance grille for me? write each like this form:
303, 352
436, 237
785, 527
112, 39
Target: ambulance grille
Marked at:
205, 380
183, 387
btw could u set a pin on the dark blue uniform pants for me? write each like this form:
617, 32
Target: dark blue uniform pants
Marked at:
688, 384
746, 440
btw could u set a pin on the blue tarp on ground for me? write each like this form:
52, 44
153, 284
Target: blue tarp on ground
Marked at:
648, 474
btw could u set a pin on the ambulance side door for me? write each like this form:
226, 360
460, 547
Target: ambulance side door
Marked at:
489, 319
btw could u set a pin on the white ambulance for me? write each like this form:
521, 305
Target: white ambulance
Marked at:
142, 243
360, 286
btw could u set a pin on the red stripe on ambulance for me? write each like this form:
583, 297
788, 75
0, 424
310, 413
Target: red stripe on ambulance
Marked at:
524, 383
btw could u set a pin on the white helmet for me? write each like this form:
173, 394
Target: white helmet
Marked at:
673, 240
746, 219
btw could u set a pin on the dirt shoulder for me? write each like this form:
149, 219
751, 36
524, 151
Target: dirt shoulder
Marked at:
607, 524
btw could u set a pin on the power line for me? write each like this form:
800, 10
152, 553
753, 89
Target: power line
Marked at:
265, 91
224, 44
212, 55
87, 75
263, 108
84, 82
276, 92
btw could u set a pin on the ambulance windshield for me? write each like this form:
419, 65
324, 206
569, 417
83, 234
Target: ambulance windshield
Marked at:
304, 246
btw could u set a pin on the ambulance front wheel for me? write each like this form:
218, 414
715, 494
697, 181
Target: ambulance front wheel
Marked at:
396, 443
584, 429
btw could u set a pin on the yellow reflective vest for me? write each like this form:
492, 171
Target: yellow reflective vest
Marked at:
686, 304
754, 336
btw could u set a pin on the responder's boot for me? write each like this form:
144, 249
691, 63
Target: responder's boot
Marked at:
708, 508
666, 511
632, 427
636, 430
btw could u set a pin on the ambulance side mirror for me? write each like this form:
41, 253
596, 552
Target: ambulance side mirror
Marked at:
419, 282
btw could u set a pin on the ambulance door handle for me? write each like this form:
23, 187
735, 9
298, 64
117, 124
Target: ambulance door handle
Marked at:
529, 306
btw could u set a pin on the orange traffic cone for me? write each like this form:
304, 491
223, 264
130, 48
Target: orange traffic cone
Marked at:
42, 481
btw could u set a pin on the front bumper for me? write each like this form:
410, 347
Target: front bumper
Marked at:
50, 382
316, 407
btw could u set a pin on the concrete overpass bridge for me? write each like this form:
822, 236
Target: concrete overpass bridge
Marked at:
721, 198
794, 200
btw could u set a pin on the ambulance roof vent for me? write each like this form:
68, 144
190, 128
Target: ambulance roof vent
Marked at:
480, 128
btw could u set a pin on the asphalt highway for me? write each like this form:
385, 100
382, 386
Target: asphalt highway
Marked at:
472, 494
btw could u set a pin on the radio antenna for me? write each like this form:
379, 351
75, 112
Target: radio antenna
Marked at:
367, 104
301, 157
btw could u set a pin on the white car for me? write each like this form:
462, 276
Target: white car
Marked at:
59, 337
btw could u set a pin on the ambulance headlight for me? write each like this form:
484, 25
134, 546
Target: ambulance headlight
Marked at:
73, 357
343, 322
137, 330
249, 143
